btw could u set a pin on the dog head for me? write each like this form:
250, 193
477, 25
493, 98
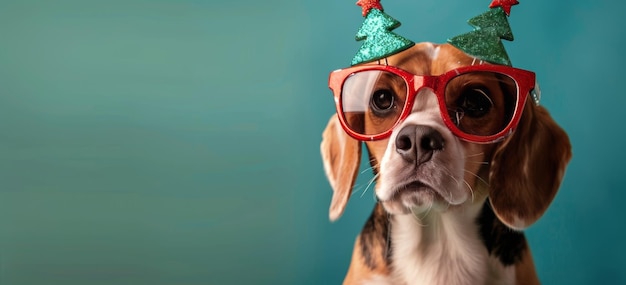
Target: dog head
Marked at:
423, 166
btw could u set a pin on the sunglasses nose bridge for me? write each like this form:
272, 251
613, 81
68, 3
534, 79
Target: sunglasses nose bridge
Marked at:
418, 83
421, 83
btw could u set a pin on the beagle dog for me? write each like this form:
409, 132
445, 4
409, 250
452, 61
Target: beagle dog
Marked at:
463, 161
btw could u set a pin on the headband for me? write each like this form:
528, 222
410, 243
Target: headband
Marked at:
484, 42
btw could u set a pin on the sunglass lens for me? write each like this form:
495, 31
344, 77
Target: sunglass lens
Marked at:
481, 103
372, 101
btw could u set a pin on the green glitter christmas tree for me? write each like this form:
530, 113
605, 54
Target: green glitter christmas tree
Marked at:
484, 42
379, 42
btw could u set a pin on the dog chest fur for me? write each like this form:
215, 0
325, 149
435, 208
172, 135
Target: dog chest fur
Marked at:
465, 246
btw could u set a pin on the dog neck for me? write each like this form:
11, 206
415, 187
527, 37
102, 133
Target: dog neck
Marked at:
443, 248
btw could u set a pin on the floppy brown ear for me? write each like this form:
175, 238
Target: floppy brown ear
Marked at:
341, 155
527, 169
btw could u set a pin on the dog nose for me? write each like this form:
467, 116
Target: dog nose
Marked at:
417, 143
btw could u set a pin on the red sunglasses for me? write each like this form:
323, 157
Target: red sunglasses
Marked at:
480, 104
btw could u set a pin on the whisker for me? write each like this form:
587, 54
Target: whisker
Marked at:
470, 188
474, 155
429, 209
359, 187
417, 218
367, 169
475, 175
449, 173
369, 184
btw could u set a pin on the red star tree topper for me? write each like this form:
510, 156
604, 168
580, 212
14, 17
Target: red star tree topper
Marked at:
505, 4
367, 5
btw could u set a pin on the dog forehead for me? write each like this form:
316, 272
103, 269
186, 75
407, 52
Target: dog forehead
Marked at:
430, 59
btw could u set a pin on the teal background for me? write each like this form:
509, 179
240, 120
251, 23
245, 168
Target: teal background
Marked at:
177, 141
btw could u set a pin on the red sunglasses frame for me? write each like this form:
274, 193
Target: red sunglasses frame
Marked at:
525, 83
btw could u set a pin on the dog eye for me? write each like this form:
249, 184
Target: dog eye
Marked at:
382, 102
475, 102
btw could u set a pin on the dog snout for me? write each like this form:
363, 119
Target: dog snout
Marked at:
417, 143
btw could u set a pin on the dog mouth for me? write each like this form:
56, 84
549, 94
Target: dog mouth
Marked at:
415, 196
411, 187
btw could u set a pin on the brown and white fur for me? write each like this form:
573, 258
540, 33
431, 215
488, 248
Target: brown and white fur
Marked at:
454, 214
